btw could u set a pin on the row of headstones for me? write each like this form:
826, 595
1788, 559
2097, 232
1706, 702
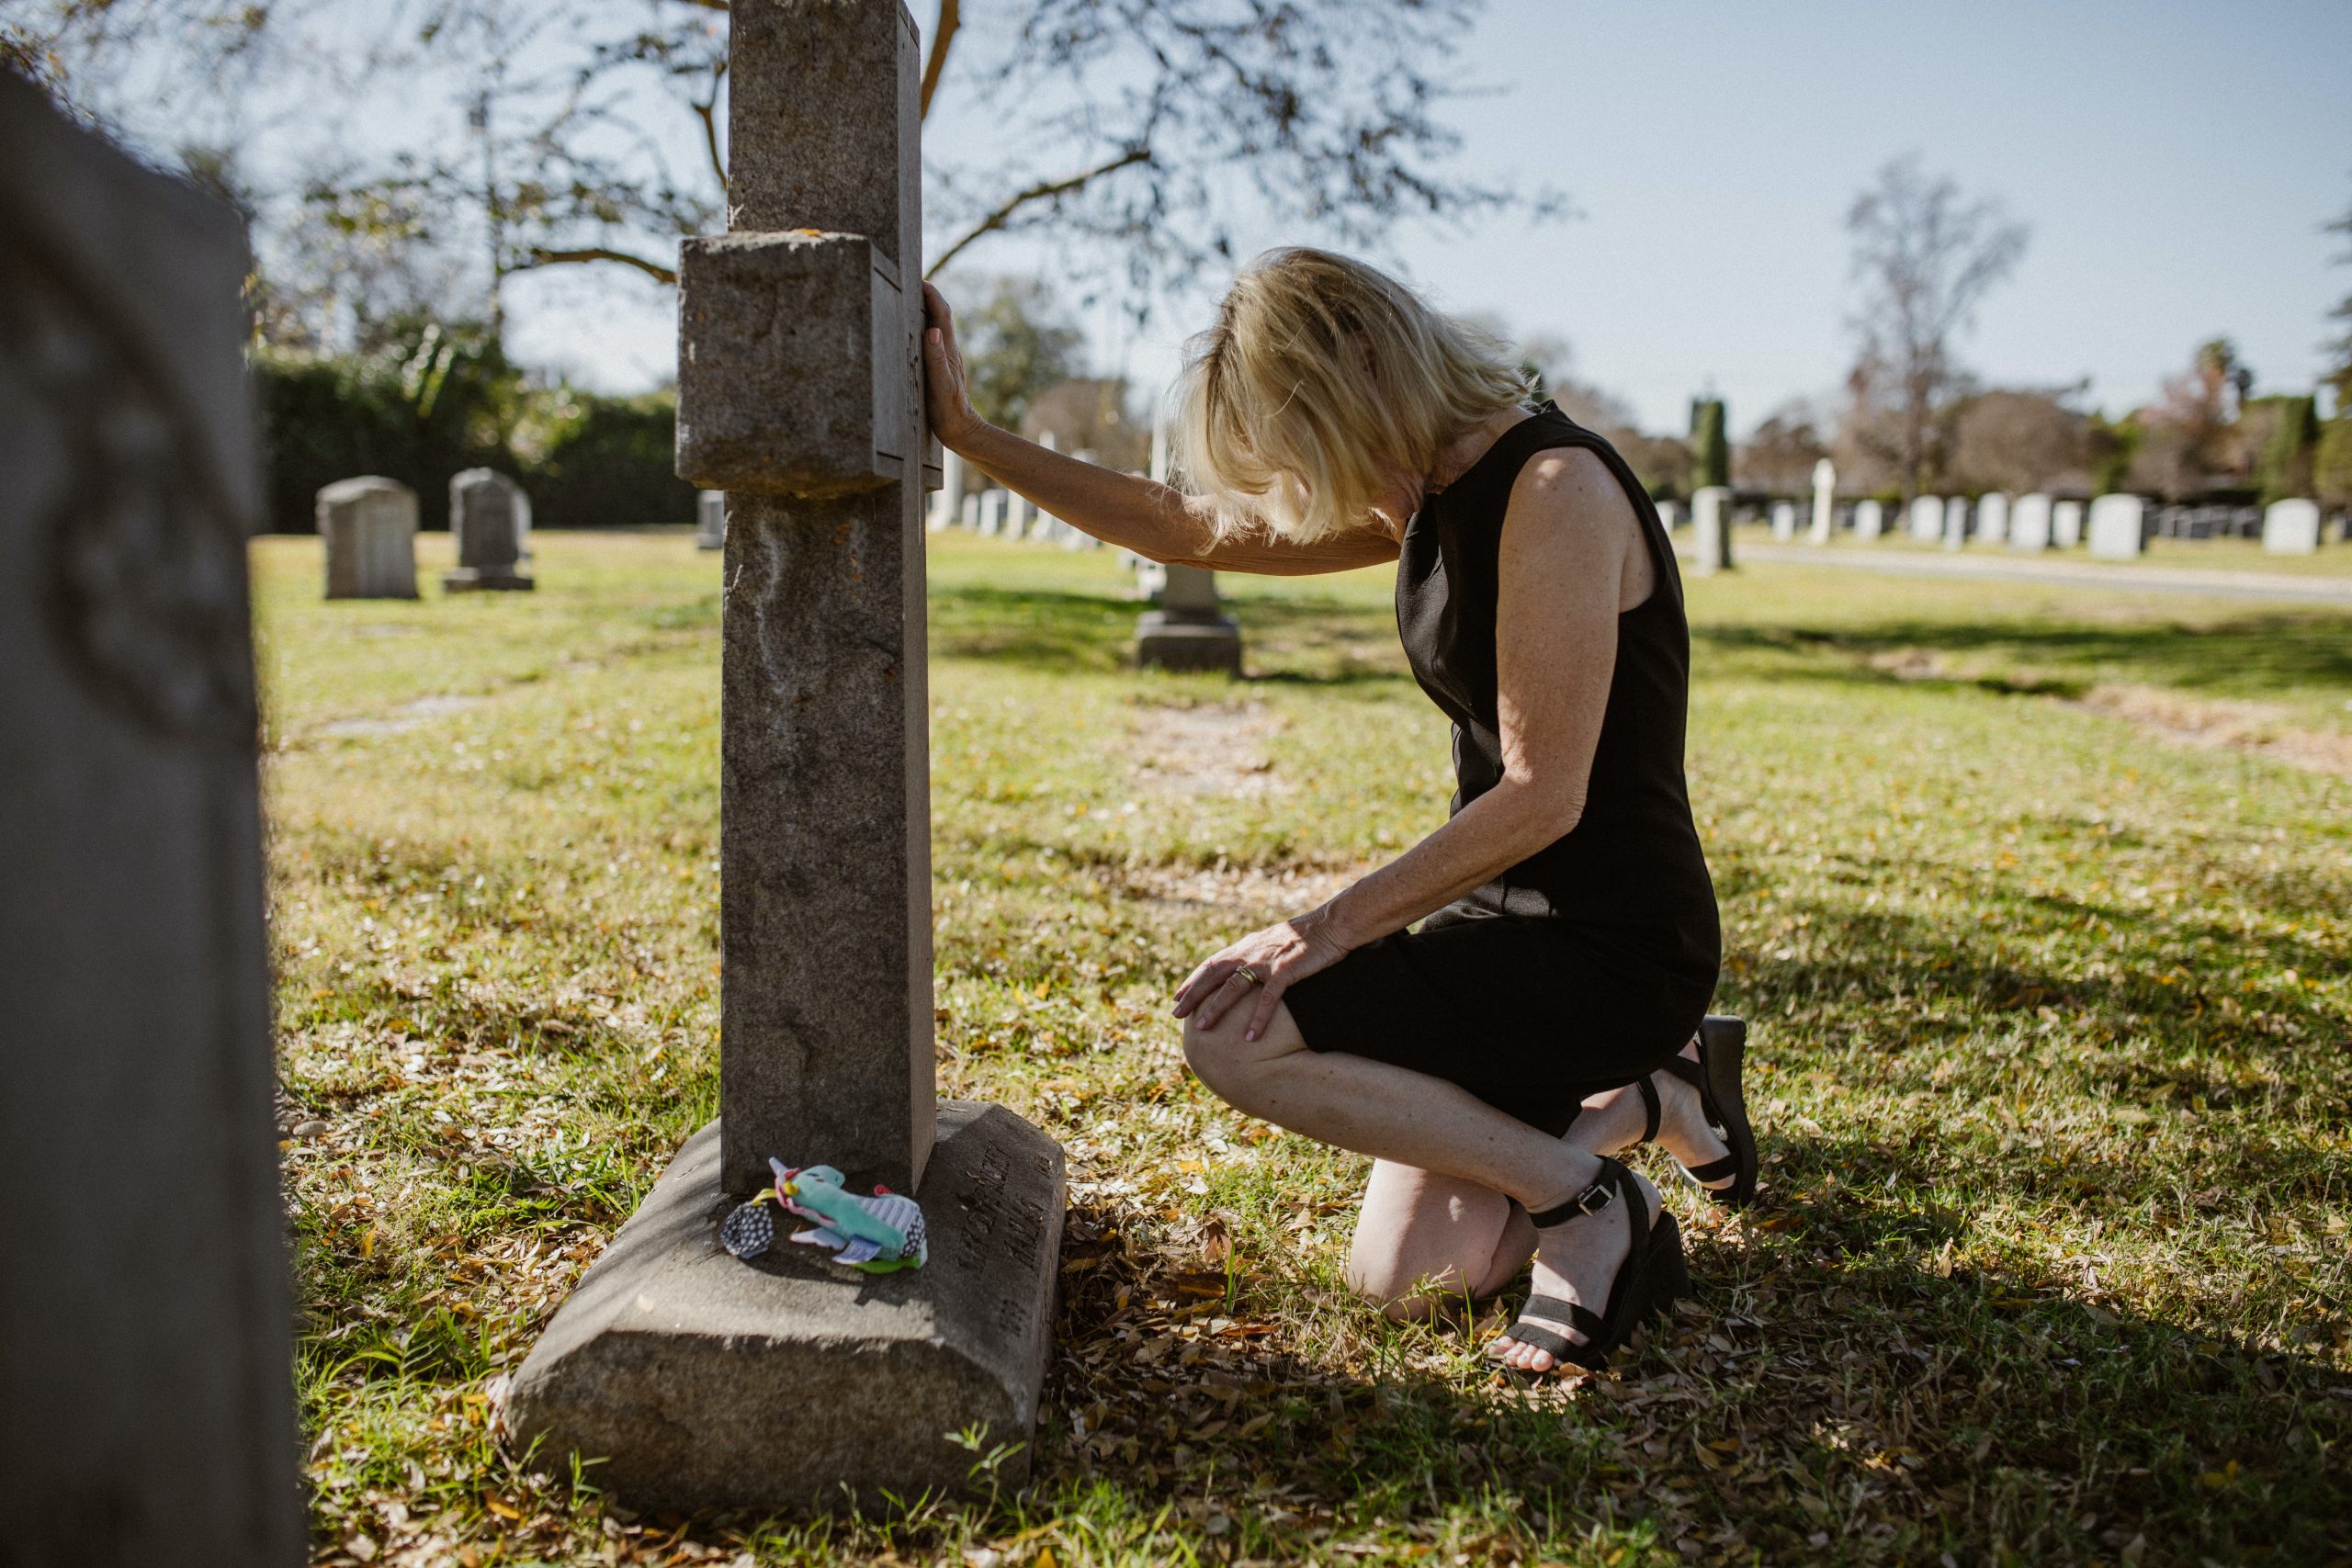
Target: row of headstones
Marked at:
369, 525
2117, 526
995, 513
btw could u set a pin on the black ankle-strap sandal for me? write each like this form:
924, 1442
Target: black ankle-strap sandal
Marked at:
1649, 1280
1723, 1043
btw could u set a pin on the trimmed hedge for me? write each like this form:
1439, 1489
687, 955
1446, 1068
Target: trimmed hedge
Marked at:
429, 400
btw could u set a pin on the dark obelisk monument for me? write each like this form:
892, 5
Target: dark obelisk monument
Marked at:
701, 1380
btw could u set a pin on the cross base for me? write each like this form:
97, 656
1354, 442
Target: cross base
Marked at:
702, 1382
485, 579
1168, 639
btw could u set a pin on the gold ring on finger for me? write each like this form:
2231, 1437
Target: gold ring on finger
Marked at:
1248, 975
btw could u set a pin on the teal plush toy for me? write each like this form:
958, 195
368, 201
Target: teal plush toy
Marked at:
877, 1235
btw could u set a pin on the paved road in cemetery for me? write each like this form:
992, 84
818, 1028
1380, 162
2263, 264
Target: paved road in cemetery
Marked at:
2205, 583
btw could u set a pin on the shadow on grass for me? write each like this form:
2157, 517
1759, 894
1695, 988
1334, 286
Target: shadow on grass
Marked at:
2249, 654
1290, 640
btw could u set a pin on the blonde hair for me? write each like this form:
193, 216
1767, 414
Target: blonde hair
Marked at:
1320, 378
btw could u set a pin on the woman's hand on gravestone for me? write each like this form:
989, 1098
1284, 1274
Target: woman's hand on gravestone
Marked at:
946, 398
1275, 959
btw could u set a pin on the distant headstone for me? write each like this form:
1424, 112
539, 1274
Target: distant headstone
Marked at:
1955, 521
947, 504
2291, 527
1190, 630
690, 1379
1669, 515
967, 515
2119, 527
2030, 525
1784, 520
993, 512
1825, 500
1710, 519
368, 529
1927, 518
1869, 519
1022, 523
146, 1352
2066, 524
1993, 519
492, 521
710, 520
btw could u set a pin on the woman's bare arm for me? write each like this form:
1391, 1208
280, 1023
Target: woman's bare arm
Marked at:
1154, 520
1572, 559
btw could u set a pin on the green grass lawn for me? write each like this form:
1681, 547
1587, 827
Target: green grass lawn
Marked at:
2039, 901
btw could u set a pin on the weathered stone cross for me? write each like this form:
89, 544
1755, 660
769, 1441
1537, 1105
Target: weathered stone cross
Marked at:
699, 1380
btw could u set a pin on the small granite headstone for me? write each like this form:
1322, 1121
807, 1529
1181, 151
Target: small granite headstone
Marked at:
1993, 519
2066, 524
368, 531
2030, 524
946, 503
146, 1343
1784, 520
1825, 500
2291, 527
1869, 519
710, 520
1669, 515
1710, 519
1955, 521
1927, 518
2119, 527
491, 522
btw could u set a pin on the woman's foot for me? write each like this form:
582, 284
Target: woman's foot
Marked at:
1615, 1121
1576, 1261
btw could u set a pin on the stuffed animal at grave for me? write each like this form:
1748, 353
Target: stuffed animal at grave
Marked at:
879, 1234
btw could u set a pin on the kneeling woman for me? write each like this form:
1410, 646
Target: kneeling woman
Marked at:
1544, 1013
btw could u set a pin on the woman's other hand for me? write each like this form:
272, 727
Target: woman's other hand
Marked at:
1280, 956
945, 398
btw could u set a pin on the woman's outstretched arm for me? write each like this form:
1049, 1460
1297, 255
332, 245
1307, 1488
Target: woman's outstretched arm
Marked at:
1154, 520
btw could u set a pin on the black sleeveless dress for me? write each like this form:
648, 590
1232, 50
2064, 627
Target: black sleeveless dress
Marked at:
1590, 963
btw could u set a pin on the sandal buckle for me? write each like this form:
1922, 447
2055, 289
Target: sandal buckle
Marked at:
1595, 1197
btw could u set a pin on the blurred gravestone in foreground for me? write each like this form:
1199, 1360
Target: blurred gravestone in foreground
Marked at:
146, 1402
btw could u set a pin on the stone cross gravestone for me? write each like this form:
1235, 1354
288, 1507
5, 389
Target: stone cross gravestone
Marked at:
701, 1380
1825, 500
1869, 519
2291, 527
367, 530
491, 523
1993, 519
2119, 527
710, 520
146, 1381
1189, 629
2030, 523
1711, 520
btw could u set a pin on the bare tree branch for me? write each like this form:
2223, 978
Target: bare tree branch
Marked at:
707, 110
537, 258
1047, 191
943, 37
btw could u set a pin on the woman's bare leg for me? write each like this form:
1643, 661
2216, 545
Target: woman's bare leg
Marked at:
1424, 1239
1411, 1119
1613, 1121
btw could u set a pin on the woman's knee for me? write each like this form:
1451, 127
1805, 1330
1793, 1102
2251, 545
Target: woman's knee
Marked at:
1425, 1241
1222, 1058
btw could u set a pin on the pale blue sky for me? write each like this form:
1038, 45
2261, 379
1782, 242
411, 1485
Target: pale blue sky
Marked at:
2176, 160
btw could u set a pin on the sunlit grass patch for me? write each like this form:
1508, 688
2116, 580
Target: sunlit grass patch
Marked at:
2050, 1017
